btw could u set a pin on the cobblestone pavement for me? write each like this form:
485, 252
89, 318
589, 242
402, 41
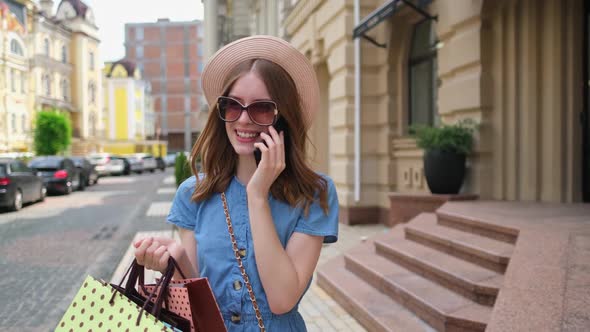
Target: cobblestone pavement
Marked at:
48, 248
320, 311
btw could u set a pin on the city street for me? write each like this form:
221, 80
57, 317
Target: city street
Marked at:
48, 248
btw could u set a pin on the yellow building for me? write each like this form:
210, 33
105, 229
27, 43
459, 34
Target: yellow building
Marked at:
129, 114
516, 67
65, 70
15, 117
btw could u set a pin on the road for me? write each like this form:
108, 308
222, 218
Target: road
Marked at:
47, 249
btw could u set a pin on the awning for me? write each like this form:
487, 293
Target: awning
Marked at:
385, 11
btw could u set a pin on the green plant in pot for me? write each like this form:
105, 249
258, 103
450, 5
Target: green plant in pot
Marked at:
445, 151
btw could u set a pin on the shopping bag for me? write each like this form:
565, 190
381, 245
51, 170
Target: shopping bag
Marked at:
91, 310
99, 306
192, 299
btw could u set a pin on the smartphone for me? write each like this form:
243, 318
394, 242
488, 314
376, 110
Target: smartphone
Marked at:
279, 126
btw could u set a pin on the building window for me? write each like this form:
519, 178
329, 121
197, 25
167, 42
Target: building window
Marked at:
22, 82
13, 123
422, 75
47, 87
46, 46
92, 92
139, 51
23, 120
92, 120
91, 60
64, 89
15, 48
64, 55
12, 80
138, 33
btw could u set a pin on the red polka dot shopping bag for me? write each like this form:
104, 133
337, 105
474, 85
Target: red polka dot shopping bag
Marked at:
99, 306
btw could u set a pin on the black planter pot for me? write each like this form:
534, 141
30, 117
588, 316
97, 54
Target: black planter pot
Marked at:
444, 171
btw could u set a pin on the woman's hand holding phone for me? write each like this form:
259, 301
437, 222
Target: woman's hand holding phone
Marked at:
272, 162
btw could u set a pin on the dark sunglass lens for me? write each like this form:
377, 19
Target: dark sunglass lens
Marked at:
229, 109
262, 112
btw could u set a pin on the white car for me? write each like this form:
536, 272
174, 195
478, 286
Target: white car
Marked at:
106, 165
148, 161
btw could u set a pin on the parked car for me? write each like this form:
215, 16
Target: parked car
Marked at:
126, 164
170, 159
149, 163
161, 164
19, 184
135, 163
88, 173
106, 165
59, 174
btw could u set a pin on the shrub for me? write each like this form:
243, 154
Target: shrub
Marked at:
182, 168
456, 138
53, 133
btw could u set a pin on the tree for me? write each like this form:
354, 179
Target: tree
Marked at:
53, 133
182, 168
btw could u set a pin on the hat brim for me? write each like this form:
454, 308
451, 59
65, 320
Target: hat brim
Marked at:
269, 48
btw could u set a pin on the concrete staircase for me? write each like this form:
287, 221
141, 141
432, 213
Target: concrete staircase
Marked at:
438, 272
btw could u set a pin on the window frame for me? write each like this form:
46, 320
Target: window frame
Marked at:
414, 61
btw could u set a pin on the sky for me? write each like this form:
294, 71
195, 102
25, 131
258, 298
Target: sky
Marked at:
111, 16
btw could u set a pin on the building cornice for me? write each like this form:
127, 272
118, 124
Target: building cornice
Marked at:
43, 61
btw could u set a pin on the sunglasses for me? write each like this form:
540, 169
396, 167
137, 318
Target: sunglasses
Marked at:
262, 113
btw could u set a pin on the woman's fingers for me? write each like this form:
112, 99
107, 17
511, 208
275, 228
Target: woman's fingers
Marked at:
140, 251
153, 253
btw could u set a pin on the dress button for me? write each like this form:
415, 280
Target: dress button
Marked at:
242, 253
235, 318
237, 285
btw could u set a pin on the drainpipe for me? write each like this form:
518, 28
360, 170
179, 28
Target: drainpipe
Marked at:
357, 107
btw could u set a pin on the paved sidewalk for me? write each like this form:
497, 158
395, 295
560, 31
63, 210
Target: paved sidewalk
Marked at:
320, 311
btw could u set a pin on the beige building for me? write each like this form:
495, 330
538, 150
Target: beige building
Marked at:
516, 67
226, 20
15, 118
65, 71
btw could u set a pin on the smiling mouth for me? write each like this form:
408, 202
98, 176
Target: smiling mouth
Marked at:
242, 134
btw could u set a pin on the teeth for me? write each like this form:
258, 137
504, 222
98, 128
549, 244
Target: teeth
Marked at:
246, 135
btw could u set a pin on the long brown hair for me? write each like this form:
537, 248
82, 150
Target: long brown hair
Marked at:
298, 184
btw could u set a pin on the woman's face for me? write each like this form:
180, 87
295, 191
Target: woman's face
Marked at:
243, 133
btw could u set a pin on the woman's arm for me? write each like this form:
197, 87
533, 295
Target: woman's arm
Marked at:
153, 253
285, 273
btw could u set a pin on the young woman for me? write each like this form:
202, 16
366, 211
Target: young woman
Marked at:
263, 94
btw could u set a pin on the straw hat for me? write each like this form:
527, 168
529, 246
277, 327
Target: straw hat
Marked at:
269, 48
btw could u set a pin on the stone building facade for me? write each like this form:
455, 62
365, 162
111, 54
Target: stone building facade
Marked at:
517, 67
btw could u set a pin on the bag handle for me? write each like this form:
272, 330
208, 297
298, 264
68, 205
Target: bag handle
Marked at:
234, 244
136, 274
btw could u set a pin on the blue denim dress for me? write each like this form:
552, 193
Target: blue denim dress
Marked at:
215, 254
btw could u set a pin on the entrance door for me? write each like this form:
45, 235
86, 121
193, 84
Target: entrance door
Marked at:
585, 115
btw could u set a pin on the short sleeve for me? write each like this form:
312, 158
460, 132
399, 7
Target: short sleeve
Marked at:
184, 211
319, 223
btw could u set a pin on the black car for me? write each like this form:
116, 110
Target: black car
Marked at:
19, 184
59, 174
161, 164
88, 173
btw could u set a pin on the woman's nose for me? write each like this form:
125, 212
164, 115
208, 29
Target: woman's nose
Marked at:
244, 117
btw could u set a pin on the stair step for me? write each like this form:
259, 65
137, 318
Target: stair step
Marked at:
442, 308
470, 280
373, 309
472, 225
486, 252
